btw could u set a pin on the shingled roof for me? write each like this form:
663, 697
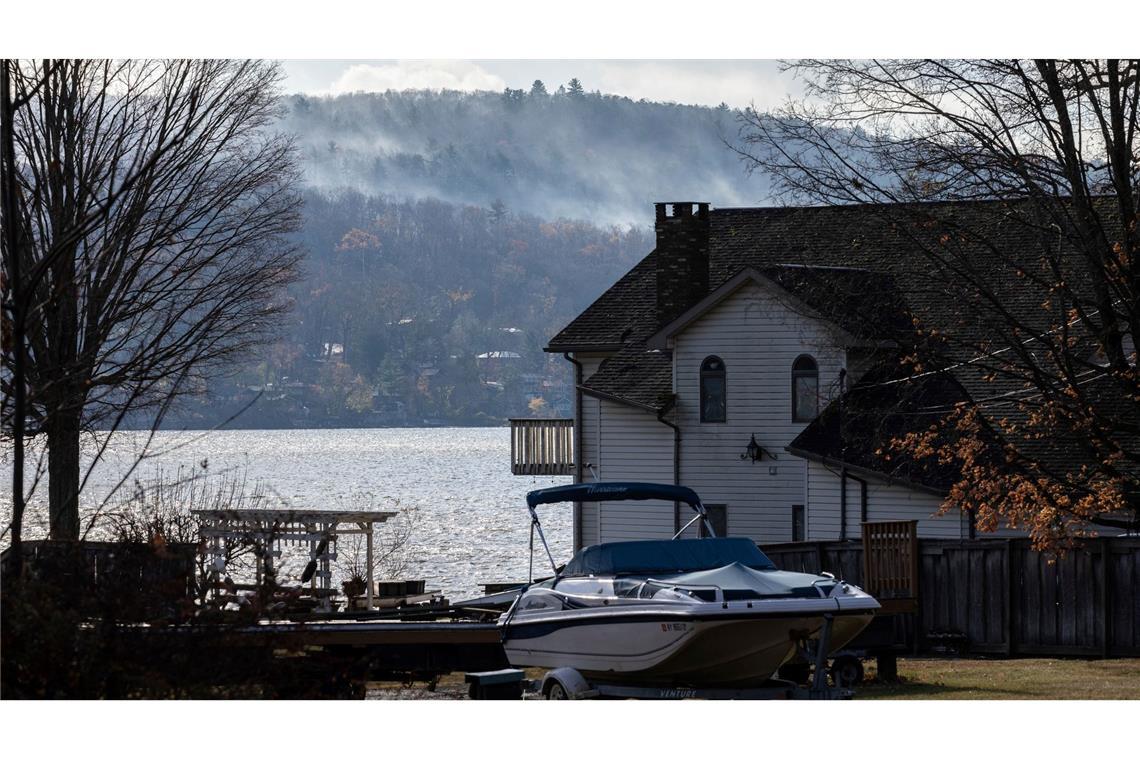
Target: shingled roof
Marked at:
636, 376
877, 240
621, 314
885, 404
832, 257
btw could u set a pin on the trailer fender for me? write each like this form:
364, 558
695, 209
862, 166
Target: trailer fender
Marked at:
566, 683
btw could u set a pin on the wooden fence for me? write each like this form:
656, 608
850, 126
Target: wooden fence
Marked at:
109, 579
1003, 597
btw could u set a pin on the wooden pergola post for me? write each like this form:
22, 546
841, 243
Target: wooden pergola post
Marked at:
368, 557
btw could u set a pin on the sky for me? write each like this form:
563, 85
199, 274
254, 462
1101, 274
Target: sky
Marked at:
738, 83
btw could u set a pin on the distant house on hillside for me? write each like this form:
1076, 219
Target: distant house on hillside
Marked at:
752, 356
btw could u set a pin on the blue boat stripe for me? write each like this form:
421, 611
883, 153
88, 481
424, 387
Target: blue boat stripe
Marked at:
519, 629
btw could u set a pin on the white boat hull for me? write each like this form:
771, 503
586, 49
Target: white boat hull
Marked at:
727, 646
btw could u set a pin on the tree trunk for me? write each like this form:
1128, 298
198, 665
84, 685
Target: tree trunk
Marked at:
63, 475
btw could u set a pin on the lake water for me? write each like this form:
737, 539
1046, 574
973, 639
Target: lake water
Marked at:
471, 523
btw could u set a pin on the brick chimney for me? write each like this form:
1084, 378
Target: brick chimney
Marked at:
682, 257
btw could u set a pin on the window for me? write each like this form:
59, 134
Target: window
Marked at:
798, 528
713, 397
718, 516
805, 389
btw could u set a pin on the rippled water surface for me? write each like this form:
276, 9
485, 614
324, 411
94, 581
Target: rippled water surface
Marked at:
471, 522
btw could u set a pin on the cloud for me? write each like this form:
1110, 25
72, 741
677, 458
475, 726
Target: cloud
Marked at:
738, 83
416, 75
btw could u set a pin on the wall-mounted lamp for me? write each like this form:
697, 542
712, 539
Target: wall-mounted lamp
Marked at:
755, 451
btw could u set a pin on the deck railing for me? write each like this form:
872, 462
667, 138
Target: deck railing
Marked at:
890, 558
542, 447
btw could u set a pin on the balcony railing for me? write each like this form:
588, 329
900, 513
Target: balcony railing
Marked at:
542, 447
890, 563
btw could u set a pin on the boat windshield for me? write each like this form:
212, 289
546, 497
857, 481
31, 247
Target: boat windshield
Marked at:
666, 557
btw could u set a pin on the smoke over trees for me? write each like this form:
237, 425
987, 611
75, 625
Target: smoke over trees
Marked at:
600, 158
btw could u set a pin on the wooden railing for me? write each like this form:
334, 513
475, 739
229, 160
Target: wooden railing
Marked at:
542, 447
890, 559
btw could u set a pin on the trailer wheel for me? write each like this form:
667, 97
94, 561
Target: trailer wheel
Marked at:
555, 690
846, 671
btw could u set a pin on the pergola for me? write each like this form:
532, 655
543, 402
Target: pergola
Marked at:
270, 529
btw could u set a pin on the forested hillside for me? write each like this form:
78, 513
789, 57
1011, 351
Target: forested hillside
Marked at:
414, 310
449, 235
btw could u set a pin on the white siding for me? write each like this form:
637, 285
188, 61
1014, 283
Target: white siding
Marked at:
634, 446
623, 443
885, 501
758, 338
588, 453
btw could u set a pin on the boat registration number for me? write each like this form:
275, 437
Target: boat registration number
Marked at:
674, 626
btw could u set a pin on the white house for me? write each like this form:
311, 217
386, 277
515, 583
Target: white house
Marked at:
719, 361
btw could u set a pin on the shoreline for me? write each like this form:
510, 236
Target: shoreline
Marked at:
259, 428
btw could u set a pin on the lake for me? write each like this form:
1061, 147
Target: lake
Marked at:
471, 523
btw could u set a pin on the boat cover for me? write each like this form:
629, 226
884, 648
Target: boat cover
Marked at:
612, 492
685, 555
740, 582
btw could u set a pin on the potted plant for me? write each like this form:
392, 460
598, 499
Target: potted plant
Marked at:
354, 587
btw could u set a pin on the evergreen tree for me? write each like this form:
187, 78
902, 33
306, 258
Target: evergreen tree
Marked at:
538, 89
574, 88
498, 211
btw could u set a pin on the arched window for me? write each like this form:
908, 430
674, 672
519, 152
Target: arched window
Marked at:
713, 395
805, 389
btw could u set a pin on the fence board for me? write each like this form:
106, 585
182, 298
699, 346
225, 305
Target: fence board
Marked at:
976, 596
1067, 600
1031, 572
994, 605
1051, 599
1124, 608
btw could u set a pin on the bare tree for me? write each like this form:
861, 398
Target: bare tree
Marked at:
163, 510
391, 545
152, 203
1040, 277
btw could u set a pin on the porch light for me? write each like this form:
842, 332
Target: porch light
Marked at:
754, 451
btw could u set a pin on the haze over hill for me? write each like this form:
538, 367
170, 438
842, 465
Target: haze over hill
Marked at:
450, 234
602, 158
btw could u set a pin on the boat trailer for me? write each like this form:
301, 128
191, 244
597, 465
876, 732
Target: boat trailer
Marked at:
569, 683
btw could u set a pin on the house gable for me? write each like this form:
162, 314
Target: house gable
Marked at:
758, 335
663, 338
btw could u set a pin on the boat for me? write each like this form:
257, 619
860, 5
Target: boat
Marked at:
696, 612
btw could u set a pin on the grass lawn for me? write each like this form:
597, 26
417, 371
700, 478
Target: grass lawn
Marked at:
924, 678
1007, 679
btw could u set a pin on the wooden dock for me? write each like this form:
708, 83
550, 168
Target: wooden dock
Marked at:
309, 659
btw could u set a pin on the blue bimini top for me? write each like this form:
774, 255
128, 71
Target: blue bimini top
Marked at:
683, 555
612, 492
